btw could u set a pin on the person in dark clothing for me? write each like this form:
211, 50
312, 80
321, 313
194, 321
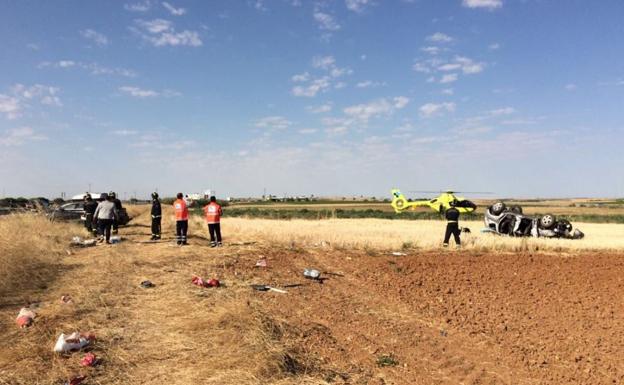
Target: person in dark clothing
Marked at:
118, 207
452, 225
89, 208
156, 217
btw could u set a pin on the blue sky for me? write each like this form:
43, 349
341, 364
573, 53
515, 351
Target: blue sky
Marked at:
342, 97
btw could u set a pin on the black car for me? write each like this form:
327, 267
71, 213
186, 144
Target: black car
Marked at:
74, 211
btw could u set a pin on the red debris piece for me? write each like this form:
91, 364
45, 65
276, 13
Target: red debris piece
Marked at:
89, 359
199, 281
76, 380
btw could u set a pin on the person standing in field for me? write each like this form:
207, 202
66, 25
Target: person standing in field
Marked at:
105, 214
118, 207
89, 208
156, 217
213, 212
452, 225
181, 216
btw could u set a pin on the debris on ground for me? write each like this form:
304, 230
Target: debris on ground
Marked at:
66, 299
398, 254
76, 380
262, 262
147, 284
115, 239
25, 317
89, 359
311, 273
79, 242
267, 288
199, 281
73, 342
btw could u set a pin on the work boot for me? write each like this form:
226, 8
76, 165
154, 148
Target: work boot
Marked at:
219, 244
115, 232
213, 244
445, 245
157, 237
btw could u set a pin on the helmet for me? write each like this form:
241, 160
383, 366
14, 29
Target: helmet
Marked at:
112, 194
154, 195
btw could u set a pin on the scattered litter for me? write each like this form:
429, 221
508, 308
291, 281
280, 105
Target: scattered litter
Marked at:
169, 270
115, 239
79, 242
262, 262
25, 317
398, 254
199, 281
73, 342
242, 243
66, 299
465, 230
267, 288
311, 273
76, 380
147, 284
89, 359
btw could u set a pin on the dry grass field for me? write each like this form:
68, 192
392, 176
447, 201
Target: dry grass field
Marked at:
498, 311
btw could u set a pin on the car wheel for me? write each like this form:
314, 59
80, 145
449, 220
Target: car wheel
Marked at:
516, 209
547, 221
497, 208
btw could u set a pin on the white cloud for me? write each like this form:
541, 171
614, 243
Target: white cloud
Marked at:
502, 111
142, 6
448, 91
431, 50
494, 46
307, 131
312, 88
370, 84
10, 107
19, 136
96, 37
273, 123
161, 33
145, 93
304, 77
125, 132
571, 87
327, 107
488, 4
436, 64
324, 62
440, 37
448, 78
94, 68
357, 5
174, 11
376, 108
326, 21
432, 109
449, 67
469, 66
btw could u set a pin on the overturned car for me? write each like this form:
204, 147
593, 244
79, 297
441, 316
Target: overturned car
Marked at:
503, 220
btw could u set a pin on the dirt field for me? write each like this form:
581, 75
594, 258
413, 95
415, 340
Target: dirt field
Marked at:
432, 316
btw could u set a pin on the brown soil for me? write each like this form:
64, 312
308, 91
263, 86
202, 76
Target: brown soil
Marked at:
446, 317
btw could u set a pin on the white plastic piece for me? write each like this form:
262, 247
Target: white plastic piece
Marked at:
71, 343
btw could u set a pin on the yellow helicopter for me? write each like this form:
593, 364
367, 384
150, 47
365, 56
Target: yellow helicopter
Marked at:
440, 204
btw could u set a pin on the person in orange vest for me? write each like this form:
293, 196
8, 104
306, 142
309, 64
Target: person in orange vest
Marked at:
213, 212
181, 216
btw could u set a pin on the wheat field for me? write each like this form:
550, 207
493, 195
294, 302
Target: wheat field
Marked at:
397, 234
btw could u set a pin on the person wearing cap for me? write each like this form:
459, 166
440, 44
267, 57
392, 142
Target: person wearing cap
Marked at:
118, 207
452, 225
181, 215
156, 217
105, 214
89, 208
213, 212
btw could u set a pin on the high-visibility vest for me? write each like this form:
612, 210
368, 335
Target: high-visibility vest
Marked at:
213, 212
181, 210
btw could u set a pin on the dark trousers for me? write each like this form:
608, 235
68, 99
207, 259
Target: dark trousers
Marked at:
452, 228
115, 225
181, 230
104, 228
156, 227
89, 222
215, 232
